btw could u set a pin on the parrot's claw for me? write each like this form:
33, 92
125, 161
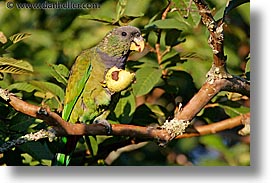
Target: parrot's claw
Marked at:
106, 124
42, 111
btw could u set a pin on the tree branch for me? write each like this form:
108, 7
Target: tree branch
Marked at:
215, 29
199, 100
238, 85
218, 77
208, 91
64, 128
218, 126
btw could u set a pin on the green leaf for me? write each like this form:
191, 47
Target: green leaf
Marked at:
186, 145
180, 83
19, 37
212, 162
13, 158
244, 11
101, 15
60, 73
14, 39
52, 94
132, 10
233, 4
247, 69
152, 38
49, 87
143, 116
120, 8
48, 54
21, 122
143, 62
38, 150
94, 145
13, 66
213, 141
216, 142
172, 37
197, 66
146, 78
42, 88
99, 18
234, 111
171, 59
166, 24
242, 153
158, 111
191, 18
40, 38
126, 10
22, 87
125, 107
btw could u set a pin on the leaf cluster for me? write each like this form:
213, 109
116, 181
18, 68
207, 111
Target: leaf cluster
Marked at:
50, 41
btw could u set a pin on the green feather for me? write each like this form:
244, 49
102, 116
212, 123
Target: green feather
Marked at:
86, 99
69, 106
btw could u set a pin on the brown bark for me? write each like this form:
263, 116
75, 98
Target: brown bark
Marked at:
64, 128
218, 127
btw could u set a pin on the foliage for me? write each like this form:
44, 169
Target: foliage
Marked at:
38, 47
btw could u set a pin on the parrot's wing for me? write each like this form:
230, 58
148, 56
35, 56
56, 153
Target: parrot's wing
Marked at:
80, 73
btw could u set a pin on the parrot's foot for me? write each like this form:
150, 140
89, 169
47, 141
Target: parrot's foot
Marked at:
42, 111
106, 124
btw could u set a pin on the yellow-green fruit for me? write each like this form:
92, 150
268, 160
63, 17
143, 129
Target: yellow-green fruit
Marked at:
117, 80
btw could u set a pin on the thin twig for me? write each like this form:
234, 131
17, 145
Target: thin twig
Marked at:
217, 127
157, 46
188, 9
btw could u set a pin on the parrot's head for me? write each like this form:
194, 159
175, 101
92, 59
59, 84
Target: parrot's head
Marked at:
122, 40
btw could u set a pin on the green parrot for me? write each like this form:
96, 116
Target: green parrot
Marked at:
87, 96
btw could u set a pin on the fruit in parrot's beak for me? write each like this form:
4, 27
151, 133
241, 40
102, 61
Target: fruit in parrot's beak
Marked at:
117, 80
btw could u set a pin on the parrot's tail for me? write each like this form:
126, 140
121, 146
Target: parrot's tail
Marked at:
63, 159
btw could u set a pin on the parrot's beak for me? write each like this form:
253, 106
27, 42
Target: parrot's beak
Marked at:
137, 44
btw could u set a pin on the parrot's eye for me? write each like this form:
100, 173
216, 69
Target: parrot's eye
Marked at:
124, 34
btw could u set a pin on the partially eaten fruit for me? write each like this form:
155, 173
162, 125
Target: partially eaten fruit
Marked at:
117, 79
